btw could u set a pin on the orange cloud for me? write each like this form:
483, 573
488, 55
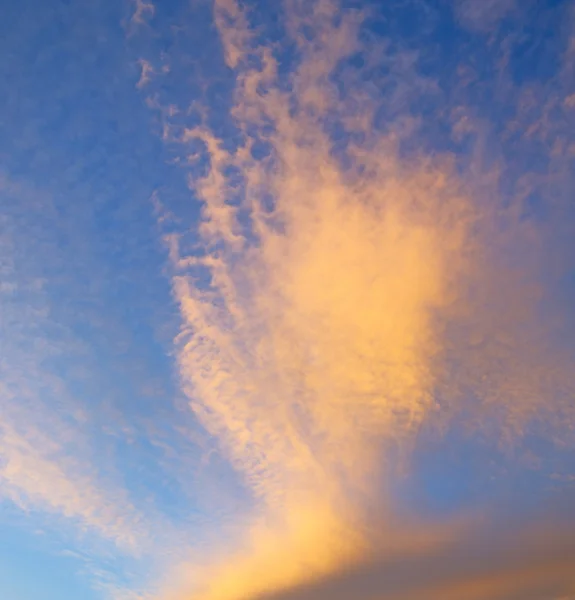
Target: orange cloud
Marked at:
326, 327
525, 560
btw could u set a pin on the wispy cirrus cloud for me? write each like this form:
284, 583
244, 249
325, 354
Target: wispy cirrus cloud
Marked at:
346, 291
142, 11
65, 462
46, 463
38, 474
377, 256
482, 16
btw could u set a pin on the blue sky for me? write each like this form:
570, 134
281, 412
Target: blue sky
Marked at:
286, 296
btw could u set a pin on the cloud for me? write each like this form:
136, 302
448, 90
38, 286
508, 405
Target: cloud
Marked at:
37, 473
482, 15
146, 74
66, 467
142, 10
345, 293
311, 346
529, 562
45, 460
232, 23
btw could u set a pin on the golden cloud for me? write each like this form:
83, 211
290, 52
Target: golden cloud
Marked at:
326, 325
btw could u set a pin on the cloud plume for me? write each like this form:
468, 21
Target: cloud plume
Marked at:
344, 294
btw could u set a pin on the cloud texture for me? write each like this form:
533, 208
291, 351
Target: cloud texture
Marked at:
347, 292
286, 298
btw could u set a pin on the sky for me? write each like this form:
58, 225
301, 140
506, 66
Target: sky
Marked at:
286, 300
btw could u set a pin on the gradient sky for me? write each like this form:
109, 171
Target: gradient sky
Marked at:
286, 300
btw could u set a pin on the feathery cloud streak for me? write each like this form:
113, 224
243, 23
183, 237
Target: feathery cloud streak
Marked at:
345, 293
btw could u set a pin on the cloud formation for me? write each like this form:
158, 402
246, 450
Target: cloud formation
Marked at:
41, 422
344, 294
142, 11
372, 266
527, 562
482, 16
60, 436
